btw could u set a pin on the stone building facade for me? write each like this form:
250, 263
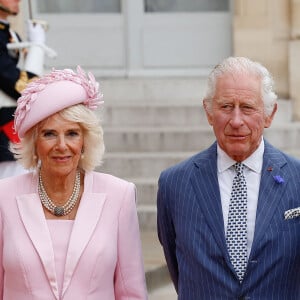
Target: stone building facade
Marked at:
264, 30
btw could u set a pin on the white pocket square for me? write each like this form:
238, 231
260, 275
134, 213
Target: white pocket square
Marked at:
292, 213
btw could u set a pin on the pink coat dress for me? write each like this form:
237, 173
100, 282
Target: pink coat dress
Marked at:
103, 260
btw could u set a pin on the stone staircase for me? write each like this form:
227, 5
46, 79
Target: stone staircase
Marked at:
150, 124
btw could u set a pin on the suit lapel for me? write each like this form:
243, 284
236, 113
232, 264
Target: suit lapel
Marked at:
87, 217
34, 221
205, 183
204, 180
270, 193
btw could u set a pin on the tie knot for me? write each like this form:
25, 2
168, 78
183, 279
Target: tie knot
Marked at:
239, 167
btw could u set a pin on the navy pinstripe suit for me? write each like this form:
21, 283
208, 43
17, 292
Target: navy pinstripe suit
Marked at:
191, 230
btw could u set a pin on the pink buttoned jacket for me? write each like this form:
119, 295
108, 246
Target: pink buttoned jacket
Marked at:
104, 259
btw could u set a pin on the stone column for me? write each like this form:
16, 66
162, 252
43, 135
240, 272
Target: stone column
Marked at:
294, 61
261, 31
133, 16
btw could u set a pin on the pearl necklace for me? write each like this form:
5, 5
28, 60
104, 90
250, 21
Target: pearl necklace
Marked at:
68, 206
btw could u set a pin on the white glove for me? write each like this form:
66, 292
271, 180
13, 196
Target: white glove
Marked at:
35, 32
34, 61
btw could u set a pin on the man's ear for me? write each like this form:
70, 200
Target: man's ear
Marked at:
269, 119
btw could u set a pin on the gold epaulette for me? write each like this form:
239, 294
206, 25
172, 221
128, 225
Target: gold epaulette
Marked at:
23, 81
2, 26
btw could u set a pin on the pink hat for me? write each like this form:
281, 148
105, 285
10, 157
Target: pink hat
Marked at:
53, 92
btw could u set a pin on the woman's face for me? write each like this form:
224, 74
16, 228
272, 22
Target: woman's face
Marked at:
58, 146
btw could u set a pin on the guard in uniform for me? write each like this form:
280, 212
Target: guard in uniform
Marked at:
14, 76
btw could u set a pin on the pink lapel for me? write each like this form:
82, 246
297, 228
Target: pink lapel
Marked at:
33, 218
86, 220
87, 217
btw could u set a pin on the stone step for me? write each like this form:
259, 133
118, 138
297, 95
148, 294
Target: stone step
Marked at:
157, 274
152, 90
154, 114
157, 139
164, 292
186, 138
285, 136
171, 91
147, 215
170, 147
140, 164
164, 113
146, 190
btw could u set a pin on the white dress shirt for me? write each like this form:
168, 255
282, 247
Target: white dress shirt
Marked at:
252, 173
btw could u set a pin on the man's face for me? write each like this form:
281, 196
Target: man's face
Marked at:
237, 115
11, 5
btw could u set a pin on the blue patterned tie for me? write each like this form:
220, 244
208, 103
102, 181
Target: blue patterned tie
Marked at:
236, 237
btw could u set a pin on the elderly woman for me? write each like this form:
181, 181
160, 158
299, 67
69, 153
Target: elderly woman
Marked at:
66, 232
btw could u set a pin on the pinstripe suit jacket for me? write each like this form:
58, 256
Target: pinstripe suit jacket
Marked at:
191, 231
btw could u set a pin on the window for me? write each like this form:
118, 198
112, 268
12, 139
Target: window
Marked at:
186, 5
78, 6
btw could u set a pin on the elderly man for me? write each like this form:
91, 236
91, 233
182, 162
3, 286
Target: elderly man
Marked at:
228, 217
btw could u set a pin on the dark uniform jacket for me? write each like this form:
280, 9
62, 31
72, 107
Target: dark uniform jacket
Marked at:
12, 81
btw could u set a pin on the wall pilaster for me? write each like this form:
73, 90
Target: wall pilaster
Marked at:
261, 31
294, 59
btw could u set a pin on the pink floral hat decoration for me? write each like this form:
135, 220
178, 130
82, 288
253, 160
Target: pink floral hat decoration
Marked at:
53, 92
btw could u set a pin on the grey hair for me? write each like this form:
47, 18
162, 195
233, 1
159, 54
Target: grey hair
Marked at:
242, 65
93, 144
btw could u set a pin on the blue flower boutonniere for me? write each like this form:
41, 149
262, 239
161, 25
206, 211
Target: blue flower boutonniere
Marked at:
278, 179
